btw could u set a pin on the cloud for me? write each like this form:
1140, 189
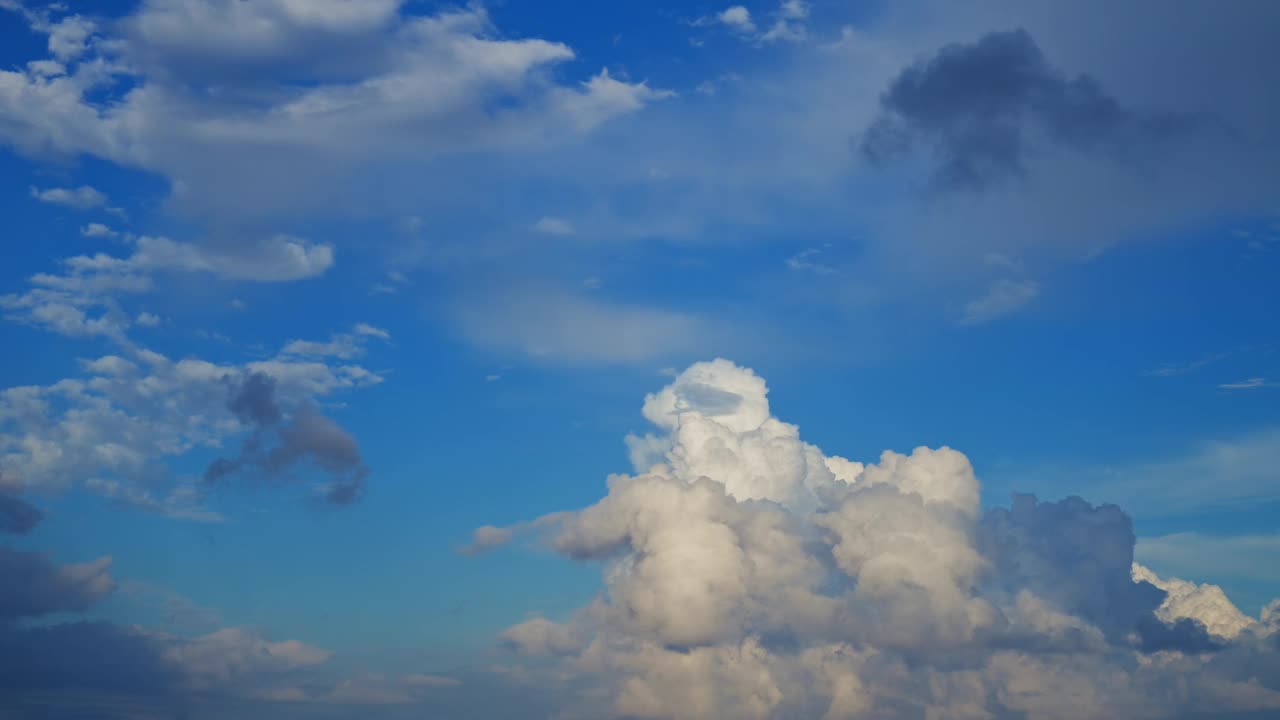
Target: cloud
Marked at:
1229, 472
34, 586
1005, 296
553, 226
1253, 383
306, 435
976, 106
344, 346
1240, 557
737, 17
747, 574
17, 516
805, 260
1206, 604
83, 299
114, 429
1174, 369
81, 198
97, 230
203, 91
555, 326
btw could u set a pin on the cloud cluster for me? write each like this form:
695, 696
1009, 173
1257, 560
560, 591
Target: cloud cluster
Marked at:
105, 662
747, 574
113, 429
251, 107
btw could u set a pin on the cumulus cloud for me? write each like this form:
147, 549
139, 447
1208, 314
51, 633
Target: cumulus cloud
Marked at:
96, 230
748, 574
737, 17
84, 197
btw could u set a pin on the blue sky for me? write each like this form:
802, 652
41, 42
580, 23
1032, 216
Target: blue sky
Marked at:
457, 247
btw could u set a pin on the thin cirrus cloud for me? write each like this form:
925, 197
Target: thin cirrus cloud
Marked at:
553, 326
748, 574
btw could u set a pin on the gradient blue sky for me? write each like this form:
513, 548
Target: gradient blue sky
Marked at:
539, 212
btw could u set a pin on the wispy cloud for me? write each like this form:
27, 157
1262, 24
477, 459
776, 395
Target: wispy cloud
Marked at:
1253, 383
1222, 473
1173, 369
1005, 296
1192, 554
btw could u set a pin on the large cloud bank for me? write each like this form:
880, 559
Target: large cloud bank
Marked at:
749, 575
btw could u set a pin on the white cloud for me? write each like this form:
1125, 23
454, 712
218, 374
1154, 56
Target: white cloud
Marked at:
407, 89
1005, 296
81, 198
1205, 603
737, 17
555, 326
806, 260
1253, 383
84, 299
746, 574
97, 230
147, 319
115, 428
553, 226
371, 331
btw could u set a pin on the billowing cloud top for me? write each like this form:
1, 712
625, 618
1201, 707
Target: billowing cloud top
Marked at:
749, 575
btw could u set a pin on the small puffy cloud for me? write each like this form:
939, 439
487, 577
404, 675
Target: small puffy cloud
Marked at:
146, 319
97, 230
371, 331
81, 198
1005, 296
69, 36
553, 226
737, 17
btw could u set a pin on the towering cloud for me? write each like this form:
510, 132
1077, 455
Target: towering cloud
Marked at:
749, 575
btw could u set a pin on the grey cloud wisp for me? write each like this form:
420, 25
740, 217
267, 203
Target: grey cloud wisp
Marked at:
307, 435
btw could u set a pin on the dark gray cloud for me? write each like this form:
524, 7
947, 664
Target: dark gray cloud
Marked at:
96, 655
275, 446
980, 108
254, 400
1080, 557
32, 585
17, 516
1077, 555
